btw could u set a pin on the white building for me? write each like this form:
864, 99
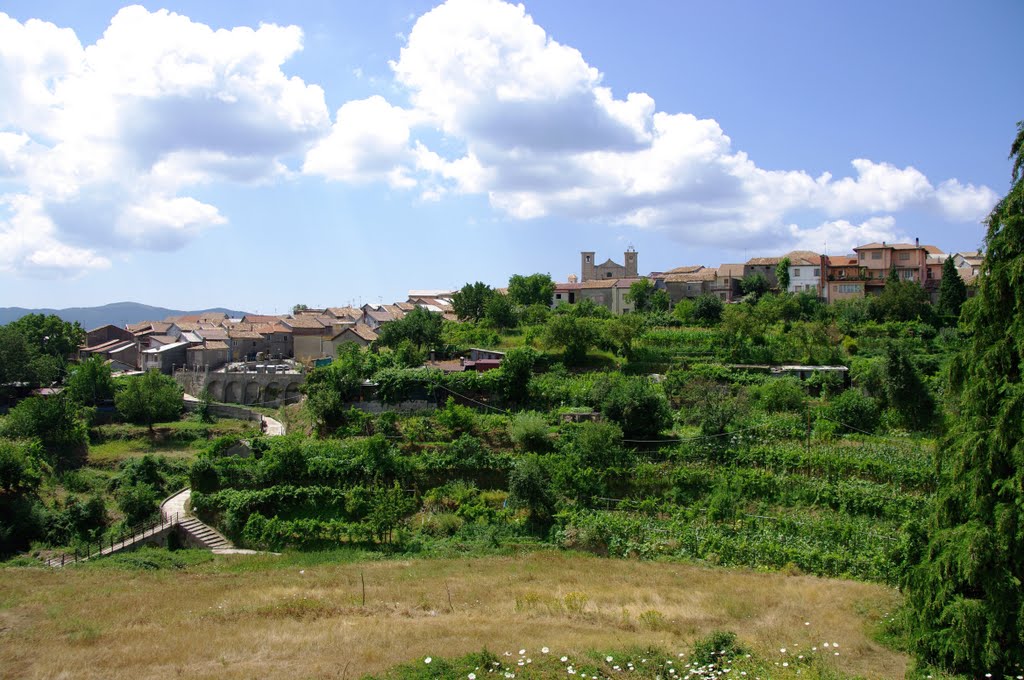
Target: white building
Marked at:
804, 271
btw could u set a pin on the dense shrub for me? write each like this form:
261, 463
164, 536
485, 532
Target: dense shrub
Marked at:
529, 431
781, 394
636, 404
853, 411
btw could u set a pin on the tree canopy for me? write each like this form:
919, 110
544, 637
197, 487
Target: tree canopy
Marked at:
952, 291
421, 327
470, 303
150, 398
535, 289
782, 274
966, 566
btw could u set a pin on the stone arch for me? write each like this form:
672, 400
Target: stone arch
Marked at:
252, 392
233, 392
216, 390
271, 393
291, 393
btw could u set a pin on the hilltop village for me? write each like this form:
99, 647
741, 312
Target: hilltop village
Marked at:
281, 346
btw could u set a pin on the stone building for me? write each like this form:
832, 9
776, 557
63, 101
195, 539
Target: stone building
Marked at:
591, 271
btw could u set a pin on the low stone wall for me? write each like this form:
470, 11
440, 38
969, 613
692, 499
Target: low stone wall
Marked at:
226, 411
401, 407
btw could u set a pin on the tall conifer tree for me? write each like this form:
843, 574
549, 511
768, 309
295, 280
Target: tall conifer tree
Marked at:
966, 568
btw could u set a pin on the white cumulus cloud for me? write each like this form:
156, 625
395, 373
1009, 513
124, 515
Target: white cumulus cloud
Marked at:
541, 135
107, 139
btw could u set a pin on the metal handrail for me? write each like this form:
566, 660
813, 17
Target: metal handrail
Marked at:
138, 533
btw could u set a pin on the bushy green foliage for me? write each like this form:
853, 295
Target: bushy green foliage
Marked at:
500, 313
706, 310
54, 422
853, 411
529, 487
529, 431
576, 335
149, 398
420, 327
138, 502
952, 291
906, 391
781, 394
755, 285
638, 406
535, 289
470, 302
597, 445
90, 383
966, 560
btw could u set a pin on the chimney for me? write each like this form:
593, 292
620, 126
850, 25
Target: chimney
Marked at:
917, 242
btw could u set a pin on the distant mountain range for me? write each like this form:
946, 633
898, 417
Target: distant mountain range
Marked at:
117, 313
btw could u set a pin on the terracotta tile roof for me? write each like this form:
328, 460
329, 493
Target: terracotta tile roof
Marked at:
448, 365
730, 270
762, 261
187, 325
244, 335
213, 333
163, 339
303, 321
686, 269
345, 312
693, 277
568, 286
405, 306
106, 346
260, 318
626, 283
600, 283
216, 344
935, 250
361, 330
803, 257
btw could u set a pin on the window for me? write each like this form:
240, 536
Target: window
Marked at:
817, 272
904, 257
588, 259
876, 256
558, 296
861, 255
608, 275
796, 273
848, 288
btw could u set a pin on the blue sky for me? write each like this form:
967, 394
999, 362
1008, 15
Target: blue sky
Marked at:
335, 152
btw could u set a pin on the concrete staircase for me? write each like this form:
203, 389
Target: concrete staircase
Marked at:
199, 535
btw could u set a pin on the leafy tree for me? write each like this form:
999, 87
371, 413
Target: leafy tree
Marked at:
535, 289
660, 301
299, 308
515, 372
329, 388
782, 274
388, 507
15, 355
598, 445
49, 334
470, 303
636, 404
900, 301
952, 291
90, 383
529, 431
54, 422
905, 390
639, 295
21, 515
150, 398
529, 486
575, 335
707, 309
966, 565
421, 327
624, 330
755, 285
138, 502
500, 312
853, 411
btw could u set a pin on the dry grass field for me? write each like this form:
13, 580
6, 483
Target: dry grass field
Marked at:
282, 617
